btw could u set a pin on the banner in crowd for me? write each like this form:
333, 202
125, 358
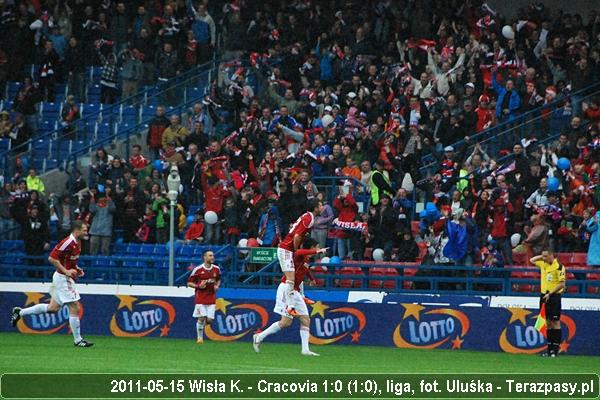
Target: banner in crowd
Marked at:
351, 318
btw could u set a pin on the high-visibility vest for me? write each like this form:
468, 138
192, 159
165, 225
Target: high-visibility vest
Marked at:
375, 190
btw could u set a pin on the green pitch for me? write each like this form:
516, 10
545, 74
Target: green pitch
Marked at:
55, 353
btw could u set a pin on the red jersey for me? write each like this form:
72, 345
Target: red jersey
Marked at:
207, 295
67, 252
300, 270
485, 118
301, 227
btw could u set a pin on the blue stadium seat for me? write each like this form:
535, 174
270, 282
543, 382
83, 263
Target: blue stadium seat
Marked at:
12, 88
41, 148
103, 131
134, 248
104, 263
134, 264
90, 108
186, 251
4, 144
148, 112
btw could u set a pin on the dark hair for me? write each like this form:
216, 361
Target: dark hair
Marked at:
138, 146
312, 204
309, 243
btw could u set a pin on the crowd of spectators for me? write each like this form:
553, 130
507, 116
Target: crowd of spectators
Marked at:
361, 92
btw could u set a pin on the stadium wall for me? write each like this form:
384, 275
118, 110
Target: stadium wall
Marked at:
489, 323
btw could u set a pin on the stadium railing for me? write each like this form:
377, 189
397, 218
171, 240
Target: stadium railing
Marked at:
543, 122
95, 126
239, 272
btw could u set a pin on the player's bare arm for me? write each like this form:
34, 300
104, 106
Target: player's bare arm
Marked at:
59, 267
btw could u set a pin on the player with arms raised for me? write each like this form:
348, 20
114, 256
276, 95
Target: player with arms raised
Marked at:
301, 258
64, 257
206, 279
291, 243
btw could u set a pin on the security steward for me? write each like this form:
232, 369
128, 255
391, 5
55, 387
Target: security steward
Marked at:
552, 274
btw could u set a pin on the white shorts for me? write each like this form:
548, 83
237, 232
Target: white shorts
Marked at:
282, 300
204, 310
286, 259
63, 289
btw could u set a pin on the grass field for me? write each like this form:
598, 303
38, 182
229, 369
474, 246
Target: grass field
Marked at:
55, 353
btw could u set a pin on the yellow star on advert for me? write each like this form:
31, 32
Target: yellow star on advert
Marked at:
518, 314
33, 298
412, 309
319, 308
126, 301
221, 305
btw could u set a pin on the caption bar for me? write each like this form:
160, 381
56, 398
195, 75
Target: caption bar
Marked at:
222, 386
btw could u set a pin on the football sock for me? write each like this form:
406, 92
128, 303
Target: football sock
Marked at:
274, 328
554, 338
75, 328
304, 334
33, 310
200, 329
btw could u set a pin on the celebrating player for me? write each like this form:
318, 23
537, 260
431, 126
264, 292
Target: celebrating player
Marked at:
281, 306
205, 278
64, 257
291, 243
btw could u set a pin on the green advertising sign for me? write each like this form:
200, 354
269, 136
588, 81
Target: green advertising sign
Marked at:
263, 255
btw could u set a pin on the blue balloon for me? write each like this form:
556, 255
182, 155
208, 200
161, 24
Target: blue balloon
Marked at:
158, 165
563, 163
430, 207
190, 219
101, 188
335, 260
423, 214
553, 184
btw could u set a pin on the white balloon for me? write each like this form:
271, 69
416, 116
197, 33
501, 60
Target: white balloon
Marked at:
490, 238
507, 32
325, 260
243, 243
326, 120
378, 255
211, 217
515, 239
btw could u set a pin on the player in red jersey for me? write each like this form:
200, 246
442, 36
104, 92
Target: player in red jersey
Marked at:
291, 243
281, 304
64, 257
206, 279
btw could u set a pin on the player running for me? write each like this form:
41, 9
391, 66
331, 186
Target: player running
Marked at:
281, 306
206, 279
291, 243
63, 291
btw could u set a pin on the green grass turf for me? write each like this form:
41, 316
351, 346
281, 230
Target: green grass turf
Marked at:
56, 353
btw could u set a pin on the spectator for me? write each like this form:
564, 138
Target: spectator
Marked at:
25, 103
408, 251
49, 66
74, 64
347, 211
36, 236
508, 102
34, 182
132, 206
101, 230
167, 67
64, 210
8, 226
195, 232
380, 183
322, 223
20, 133
269, 225
132, 72
503, 210
109, 77
160, 208
120, 28
146, 232
204, 30
382, 220
156, 130
5, 124
593, 258
69, 114
175, 132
